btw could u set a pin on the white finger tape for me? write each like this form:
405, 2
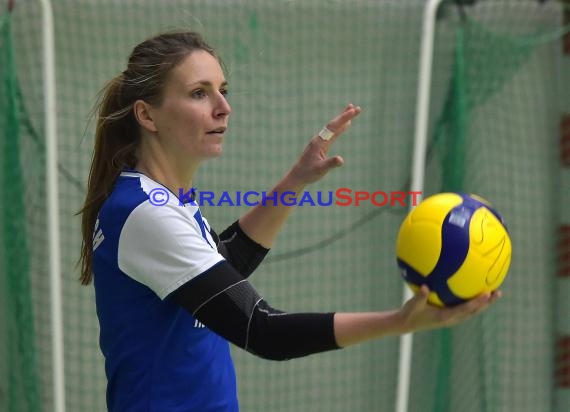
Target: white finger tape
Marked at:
326, 134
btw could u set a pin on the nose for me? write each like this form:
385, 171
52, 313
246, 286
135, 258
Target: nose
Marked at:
222, 107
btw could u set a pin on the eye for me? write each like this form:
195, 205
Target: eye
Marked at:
198, 94
224, 92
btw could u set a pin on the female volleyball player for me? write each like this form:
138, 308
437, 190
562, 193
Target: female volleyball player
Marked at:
170, 292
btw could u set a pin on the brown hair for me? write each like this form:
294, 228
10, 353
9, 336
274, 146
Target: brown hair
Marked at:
117, 133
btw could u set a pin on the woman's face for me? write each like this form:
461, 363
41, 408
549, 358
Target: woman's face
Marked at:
192, 117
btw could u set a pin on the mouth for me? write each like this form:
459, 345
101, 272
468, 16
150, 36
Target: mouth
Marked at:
217, 132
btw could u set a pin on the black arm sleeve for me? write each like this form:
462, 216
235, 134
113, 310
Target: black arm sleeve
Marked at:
242, 252
227, 304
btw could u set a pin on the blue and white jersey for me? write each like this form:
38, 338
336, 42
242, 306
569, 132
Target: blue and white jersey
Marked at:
158, 358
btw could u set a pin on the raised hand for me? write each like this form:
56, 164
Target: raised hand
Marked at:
314, 162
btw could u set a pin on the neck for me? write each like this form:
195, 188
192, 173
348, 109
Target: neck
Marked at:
175, 174
168, 177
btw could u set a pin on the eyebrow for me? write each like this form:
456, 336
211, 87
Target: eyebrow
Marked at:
207, 83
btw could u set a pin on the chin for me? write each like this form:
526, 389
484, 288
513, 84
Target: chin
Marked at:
214, 152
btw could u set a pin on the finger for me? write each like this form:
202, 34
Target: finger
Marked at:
341, 122
485, 300
349, 113
332, 162
478, 304
422, 296
497, 294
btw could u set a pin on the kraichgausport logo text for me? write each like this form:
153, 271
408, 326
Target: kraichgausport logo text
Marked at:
340, 197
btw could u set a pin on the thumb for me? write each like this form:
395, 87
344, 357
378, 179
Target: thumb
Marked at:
421, 298
332, 162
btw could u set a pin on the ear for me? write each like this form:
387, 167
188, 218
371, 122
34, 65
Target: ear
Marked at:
142, 111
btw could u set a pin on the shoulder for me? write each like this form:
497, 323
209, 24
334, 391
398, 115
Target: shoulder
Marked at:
128, 193
135, 196
140, 208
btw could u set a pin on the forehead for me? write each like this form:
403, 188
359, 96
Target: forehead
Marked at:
198, 66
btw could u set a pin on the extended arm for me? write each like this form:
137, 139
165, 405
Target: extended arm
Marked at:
416, 315
226, 303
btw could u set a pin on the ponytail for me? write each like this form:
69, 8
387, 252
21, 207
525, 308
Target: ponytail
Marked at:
116, 139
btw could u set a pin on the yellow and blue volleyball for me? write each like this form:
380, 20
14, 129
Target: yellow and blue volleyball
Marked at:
457, 245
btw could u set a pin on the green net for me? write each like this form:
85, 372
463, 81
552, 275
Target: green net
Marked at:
466, 361
497, 94
19, 387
